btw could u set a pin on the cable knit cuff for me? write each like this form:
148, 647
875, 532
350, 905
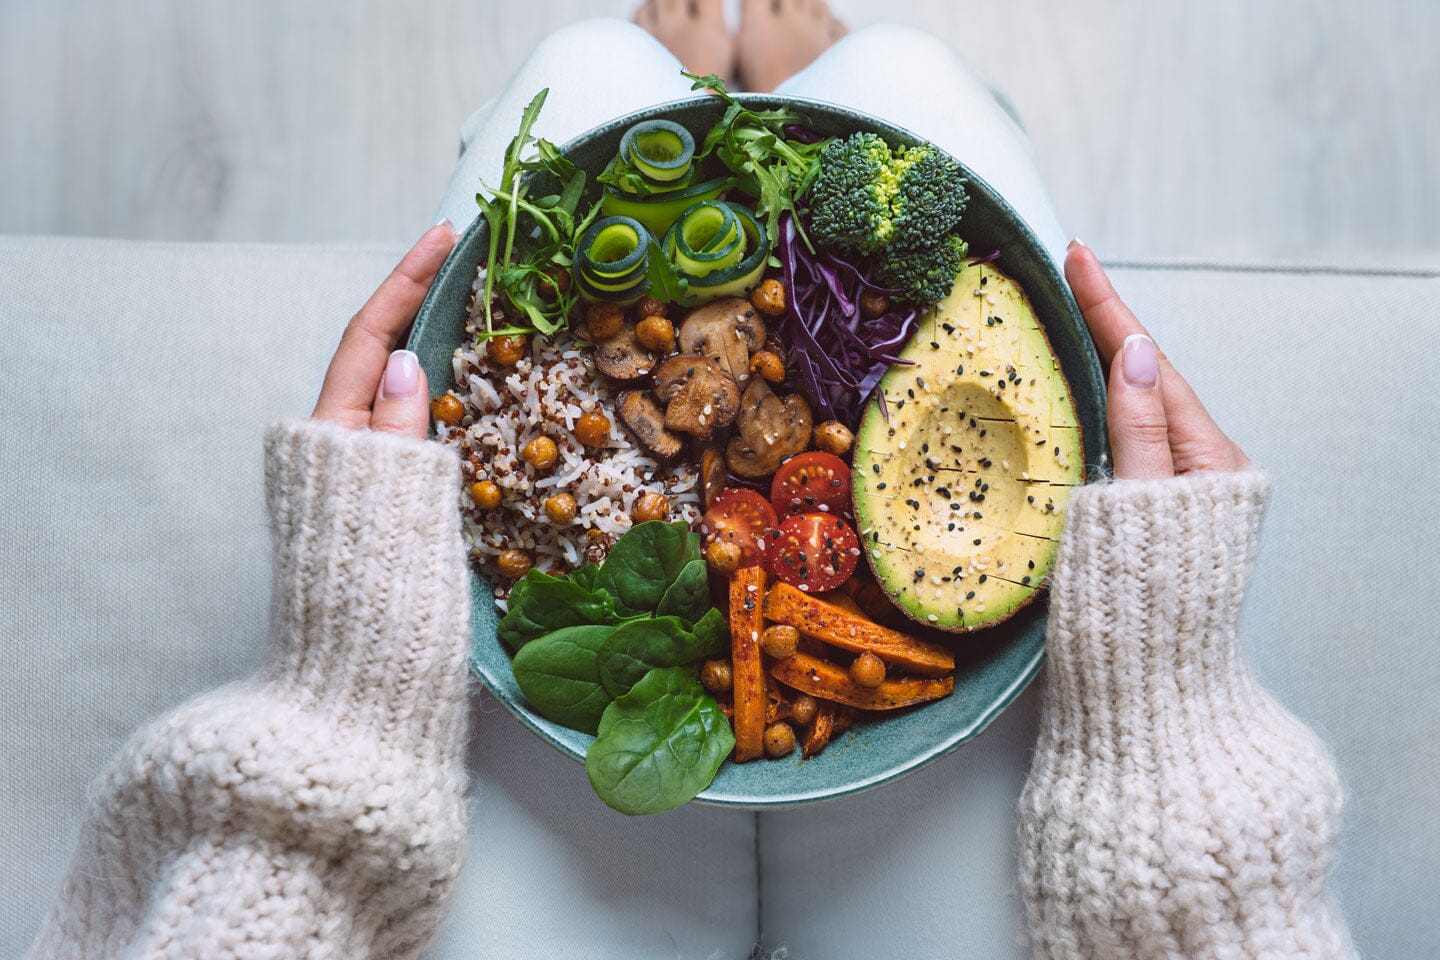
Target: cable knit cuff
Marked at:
1149, 581
370, 614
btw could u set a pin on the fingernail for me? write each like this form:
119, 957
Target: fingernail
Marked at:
445, 222
402, 376
1138, 361
1075, 244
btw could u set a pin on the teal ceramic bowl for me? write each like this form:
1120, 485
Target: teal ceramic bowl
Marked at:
992, 666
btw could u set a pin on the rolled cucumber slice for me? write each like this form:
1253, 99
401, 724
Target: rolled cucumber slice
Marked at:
660, 149
739, 276
611, 258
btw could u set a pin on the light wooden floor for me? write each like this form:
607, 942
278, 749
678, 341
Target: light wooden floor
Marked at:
1229, 130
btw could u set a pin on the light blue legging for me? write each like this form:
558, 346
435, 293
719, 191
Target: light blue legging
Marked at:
921, 868
898, 73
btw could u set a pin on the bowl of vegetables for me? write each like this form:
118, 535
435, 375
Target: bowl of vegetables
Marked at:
768, 414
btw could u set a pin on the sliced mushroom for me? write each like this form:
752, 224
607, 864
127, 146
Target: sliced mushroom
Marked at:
726, 331
771, 428
712, 474
646, 420
699, 397
621, 357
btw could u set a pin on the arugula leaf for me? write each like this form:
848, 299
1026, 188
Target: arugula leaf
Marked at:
560, 676
688, 597
666, 285
768, 166
540, 603
633, 649
643, 564
659, 745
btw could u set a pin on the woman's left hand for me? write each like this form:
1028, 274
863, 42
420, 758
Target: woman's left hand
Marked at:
370, 385
1158, 426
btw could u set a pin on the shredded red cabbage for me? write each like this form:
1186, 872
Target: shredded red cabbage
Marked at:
838, 357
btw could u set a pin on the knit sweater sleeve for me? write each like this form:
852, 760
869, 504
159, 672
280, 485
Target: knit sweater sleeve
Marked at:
1173, 809
316, 810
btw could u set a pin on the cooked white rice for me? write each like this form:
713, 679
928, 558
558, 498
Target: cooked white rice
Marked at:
507, 407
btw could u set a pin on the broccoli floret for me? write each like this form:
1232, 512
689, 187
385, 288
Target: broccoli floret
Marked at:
851, 199
930, 195
923, 272
898, 207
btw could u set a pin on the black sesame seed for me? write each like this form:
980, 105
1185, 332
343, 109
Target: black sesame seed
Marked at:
881, 486
983, 577
1032, 564
1025, 581
977, 541
970, 595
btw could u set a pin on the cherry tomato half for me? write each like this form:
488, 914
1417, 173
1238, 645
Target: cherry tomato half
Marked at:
742, 517
814, 551
810, 482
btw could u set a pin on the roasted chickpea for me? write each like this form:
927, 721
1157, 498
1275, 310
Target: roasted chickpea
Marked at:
769, 298
779, 641
651, 506
593, 429
873, 305
514, 563
768, 364
485, 494
803, 710
723, 556
715, 675
656, 333
779, 740
447, 409
832, 436
648, 306
540, 453
560, 508
604, 320
507, 351
868, 670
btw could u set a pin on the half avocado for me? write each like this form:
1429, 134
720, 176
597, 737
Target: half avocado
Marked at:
960, 494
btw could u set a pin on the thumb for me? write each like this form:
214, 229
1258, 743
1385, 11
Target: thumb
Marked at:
1139, 431
402, 404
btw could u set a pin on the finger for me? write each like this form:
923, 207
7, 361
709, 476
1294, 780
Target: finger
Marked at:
1192, 429
402, 404
1109, 320
355, 370
1139, 431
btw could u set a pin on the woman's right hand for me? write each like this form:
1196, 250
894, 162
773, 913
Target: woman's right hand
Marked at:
1158, 426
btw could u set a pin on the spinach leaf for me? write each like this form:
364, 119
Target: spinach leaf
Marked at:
540, 603
689, 596
586, 575
633, 649
659, 745
644, 562
560, 676
712, 633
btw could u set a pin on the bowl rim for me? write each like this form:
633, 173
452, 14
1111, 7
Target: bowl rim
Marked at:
1029, 669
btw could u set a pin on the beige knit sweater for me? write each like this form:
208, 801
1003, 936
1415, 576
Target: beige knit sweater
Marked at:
1173, 811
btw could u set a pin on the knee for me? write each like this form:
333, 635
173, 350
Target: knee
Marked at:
898, 43
583, 40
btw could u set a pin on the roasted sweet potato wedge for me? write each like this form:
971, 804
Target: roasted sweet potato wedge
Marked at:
747, 601
821, 729
848, 631
826, 681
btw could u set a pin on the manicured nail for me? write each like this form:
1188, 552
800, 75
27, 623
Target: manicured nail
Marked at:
1139, 362
445, 222
1075, 244
402, 376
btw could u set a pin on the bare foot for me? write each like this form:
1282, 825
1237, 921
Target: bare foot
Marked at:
779, 38
693, 30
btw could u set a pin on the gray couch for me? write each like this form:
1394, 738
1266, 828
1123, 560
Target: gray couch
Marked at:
133, 574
